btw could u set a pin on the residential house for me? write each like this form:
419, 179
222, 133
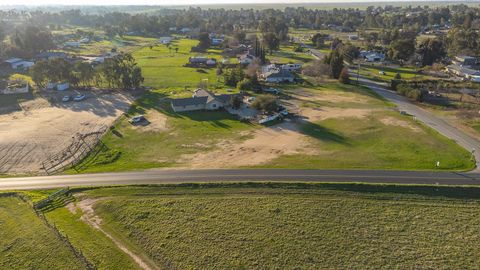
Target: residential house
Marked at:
202, 61
165, 40
246, 59
464, 72
352, 37
217, 41
374, 57
14, 87
50, 56
278, 76
72, 44
465, 61
19, 64
201, 100
292, 67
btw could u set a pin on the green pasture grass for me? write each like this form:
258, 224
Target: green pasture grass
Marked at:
27, 243
306, 226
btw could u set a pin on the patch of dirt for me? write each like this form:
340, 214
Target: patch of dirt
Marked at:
40, 129
89, 217
155, 122
391, 121
331, 112
334, 97
267, 144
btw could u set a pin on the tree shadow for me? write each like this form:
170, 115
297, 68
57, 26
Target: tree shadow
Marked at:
11, 103
322, 133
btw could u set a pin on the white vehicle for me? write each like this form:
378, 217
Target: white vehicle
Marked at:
66, 99
251, 99
137, 119
272, 91
79, 97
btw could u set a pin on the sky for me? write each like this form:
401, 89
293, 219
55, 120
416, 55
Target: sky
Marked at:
169, 2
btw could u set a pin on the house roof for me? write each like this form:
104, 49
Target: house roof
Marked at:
464, 70
281, 73
13, 60
51, 54
189, 101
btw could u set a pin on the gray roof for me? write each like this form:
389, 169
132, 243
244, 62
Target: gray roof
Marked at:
282, 73
189, 101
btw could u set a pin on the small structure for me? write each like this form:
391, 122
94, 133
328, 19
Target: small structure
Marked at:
201, 100
246, 59
374, 57
202, 61
217, 41
72, 44
291, 67
465, 61
14, 87
63, 86
19, 64
352, 37
278, 76
50, 56
165, 40
464, 72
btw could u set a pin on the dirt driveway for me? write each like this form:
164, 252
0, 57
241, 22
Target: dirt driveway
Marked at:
43, 127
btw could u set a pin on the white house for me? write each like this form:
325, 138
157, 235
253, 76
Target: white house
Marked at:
165, 40
278, 76
19, 64
246, 59
15, 87
72, 44
292, 67
201, 100
375, 57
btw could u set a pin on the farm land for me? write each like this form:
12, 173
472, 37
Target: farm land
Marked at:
246, 225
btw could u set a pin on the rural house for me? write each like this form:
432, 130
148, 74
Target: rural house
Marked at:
19, 64
201, 61
278, 76
201, 100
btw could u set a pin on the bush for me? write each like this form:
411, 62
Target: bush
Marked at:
394, 84
344, 76
266, 103
245, 85
406, 90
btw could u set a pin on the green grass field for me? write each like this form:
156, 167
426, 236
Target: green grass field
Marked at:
304, 226
164, 69
373, 72
27, 243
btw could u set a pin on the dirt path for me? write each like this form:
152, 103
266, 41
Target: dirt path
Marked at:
89, 217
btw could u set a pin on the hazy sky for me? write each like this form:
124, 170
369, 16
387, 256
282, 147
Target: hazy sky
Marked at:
167, 2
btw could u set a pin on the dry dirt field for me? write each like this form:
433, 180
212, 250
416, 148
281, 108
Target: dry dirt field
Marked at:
37, 129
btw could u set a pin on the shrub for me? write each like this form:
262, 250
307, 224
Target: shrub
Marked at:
266, 103
344, 76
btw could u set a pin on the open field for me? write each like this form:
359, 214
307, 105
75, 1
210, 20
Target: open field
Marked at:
164, 68
336, 126
34, 128
286, 225
372, 72
27, 243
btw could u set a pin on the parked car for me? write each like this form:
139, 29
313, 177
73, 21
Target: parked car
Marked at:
79, 97
137, 119
66, 99
272, 91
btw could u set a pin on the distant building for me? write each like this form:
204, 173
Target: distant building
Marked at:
217, 41
50, 55
246, 59
464, 72
14, 87
165, 40
278, 76
465, 61
202, 61
201, 100
291, 67
72, 44
374, 57
19, 64
352, 37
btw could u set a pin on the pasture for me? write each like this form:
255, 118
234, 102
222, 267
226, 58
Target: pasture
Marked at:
273, 225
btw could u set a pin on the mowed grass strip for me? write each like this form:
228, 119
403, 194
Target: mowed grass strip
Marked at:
27, 243
304, 226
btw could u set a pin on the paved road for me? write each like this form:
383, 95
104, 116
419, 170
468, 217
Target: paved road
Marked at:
428, 118
183, 176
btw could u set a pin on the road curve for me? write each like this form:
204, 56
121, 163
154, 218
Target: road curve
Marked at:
239, 175
428, 119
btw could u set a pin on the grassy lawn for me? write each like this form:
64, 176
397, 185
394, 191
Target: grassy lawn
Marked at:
164, 69
373, 72
305, 226
27, 243
287, 55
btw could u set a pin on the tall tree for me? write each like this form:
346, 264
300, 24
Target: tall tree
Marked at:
272, 42
430, 51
